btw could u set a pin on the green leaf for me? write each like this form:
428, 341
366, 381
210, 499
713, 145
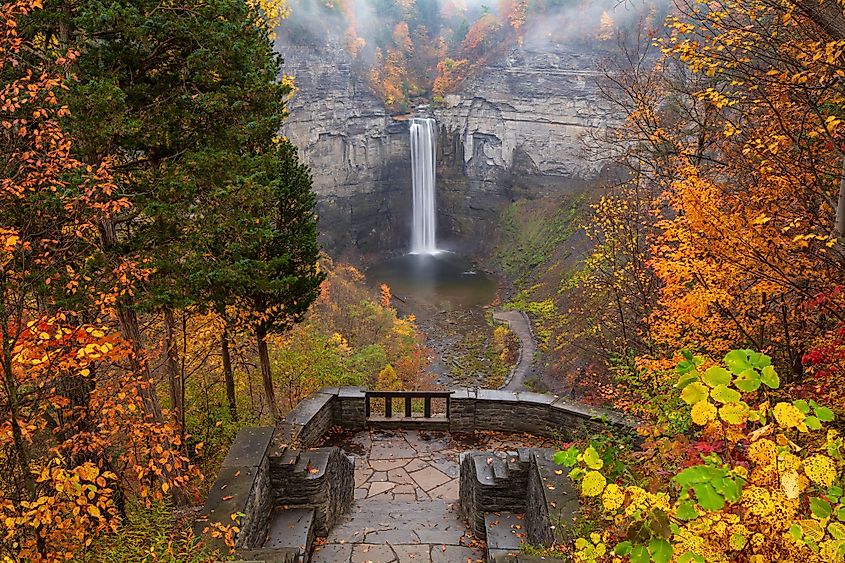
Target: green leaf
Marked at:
723, 394
769, 377
748, 381
796, 532
731, 489
707, 497
837, 530
824, 414
738, 541
693, 393
820, 508
686, 510
685, 366
716, 376
640, 554
698, 474
688, 378
734, 413
759, 360
660, 550
623, 548
690, 557
813, 423
567, 458
592, 459
691, 475
834, 491
737, 361
801, 405
686, 354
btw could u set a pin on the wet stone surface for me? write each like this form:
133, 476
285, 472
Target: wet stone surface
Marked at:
406, 497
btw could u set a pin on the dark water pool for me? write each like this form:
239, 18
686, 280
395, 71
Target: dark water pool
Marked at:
435, 279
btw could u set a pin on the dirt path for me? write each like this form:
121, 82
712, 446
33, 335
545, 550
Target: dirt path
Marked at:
520, 325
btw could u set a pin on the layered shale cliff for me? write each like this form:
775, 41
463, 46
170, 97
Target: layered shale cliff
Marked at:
515, 130
518, 130
359, 156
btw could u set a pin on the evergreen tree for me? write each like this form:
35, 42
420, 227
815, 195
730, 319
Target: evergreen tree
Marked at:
267, 250
186, 103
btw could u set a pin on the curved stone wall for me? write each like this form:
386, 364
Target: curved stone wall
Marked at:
263, 469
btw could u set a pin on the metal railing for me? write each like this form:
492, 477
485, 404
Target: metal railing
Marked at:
410, 398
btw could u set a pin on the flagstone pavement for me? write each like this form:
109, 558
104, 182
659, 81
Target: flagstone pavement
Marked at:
406, 497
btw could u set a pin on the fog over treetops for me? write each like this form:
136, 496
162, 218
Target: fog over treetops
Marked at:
427, 48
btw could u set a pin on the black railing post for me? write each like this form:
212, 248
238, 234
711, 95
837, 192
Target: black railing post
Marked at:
409, 397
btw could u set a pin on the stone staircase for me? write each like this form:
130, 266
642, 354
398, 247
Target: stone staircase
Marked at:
312, 488
513, 497
321, 479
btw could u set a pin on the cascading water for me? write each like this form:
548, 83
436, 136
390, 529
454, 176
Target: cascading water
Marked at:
423, 231
427, 275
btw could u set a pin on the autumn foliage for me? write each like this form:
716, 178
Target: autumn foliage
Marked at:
727, 228
78, 434
757, 479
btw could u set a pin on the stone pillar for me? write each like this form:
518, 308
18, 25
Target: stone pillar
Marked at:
352, 408
462, 410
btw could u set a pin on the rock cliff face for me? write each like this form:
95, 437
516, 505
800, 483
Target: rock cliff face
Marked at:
517, 130
358, 155
514, 131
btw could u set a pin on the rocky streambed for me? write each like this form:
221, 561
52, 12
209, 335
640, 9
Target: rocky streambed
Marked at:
453, 301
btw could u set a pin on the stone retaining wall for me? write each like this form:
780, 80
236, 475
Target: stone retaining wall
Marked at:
242, 486
259, 474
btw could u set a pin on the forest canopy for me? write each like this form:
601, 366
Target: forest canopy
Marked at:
426, 49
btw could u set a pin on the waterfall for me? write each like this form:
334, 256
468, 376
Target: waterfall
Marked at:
422, 180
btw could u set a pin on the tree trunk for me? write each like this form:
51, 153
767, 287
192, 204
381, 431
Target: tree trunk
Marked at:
174, 378
131, 331
827, 14
839, 229
264, 359
228, 375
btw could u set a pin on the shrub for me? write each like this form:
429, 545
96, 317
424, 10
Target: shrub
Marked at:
758, 479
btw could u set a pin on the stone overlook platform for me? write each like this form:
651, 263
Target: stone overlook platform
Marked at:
357, 476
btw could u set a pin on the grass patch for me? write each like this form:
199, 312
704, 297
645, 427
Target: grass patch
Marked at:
151, 534
531, 235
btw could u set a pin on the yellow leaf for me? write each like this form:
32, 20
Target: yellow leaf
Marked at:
791, 484
88, 472
703, 412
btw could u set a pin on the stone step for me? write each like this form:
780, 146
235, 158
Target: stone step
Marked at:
268, 556
483, 470
290, 457
291, 529
500, 468
313, 463
505, 532
513, 463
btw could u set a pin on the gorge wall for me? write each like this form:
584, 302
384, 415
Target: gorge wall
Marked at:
515, 130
